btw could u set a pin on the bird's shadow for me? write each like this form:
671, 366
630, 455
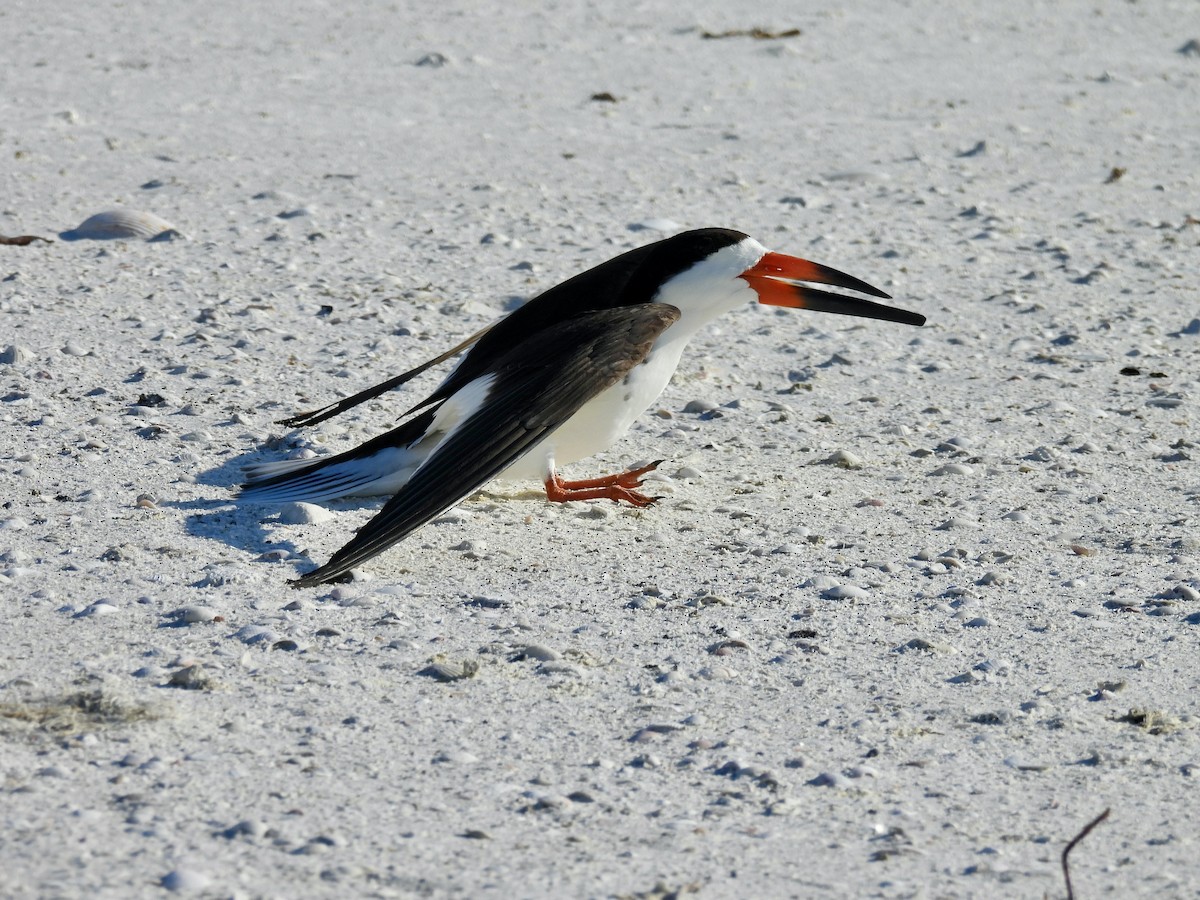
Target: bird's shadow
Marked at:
254, 527
242, 524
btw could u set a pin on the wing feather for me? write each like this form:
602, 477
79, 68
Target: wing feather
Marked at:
312, 417
539, 384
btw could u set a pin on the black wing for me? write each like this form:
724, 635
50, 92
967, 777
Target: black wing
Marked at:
312, 417
631, 279
537, 386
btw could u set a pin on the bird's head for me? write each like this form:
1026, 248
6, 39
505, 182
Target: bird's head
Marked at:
712, 268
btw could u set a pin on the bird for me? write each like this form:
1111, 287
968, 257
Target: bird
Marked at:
557, 380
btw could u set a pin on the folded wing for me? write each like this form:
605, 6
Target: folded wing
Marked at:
529, 392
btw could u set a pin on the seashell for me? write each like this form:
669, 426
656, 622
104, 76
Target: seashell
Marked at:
122, 224
444, 669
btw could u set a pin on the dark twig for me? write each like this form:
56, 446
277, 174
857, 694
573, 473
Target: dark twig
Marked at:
23, 240
759, 34
1066, 866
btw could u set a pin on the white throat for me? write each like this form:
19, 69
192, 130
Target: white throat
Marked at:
711, 287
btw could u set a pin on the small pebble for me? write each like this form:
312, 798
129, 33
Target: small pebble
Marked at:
844, 592
250, 828
185, 880
304, 514
191, 678
821, 582
843, 459
539, 652
96, 610
955, 523
953, 469
194, 615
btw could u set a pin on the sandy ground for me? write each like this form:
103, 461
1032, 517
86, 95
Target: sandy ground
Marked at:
916, 677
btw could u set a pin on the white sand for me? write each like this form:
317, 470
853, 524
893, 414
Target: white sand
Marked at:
912, 679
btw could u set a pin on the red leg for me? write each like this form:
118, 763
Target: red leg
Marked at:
610, 487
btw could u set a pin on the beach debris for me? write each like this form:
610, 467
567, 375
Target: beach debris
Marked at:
831, 779
1066, 865
843, 459
953, 469
1152, 721
185, 880
122, 224
447, 670
194, 615
1115, 175
191, 678
727, 648
96, 610
22, 240
699, 407
538, 652
256, 634
604, 97
758, 34
72, 713
433, 60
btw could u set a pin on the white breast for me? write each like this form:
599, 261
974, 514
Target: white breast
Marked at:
606, 416
701, 293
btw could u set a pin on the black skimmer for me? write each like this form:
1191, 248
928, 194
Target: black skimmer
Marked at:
555, 381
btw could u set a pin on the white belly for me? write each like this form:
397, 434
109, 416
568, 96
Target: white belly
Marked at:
605, 417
